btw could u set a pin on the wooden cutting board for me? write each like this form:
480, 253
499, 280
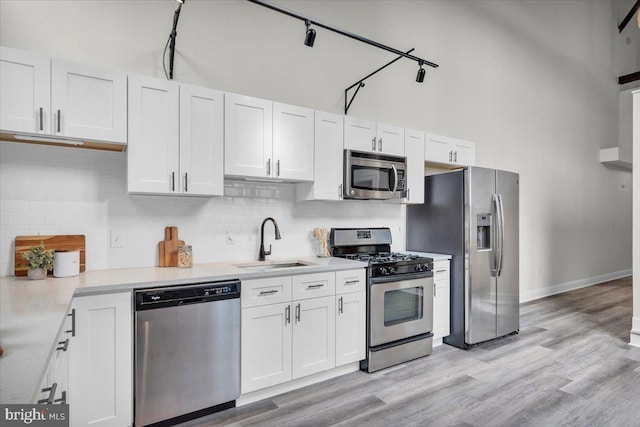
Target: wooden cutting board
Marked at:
69, 242
168, 248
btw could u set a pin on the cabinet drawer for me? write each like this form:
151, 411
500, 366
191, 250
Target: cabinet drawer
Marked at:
348, 281
440, 270
314, 285
265, 291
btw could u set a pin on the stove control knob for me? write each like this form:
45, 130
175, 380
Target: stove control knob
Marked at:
384, 271
392, 270
418, 267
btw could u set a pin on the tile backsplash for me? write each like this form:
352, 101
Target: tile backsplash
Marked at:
58, 190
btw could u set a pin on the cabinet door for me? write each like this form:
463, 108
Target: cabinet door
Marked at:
437, 149
350, 327
266, 346
152, 157
390, 139
101, 360
201, 141
88, 102
292, 142
441, 299
314, 336
360, 134
248, 136
464, 153
328, 159
25, 99
414, 150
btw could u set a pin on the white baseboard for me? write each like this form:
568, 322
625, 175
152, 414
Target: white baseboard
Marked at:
254, 396
569, 286
634, 339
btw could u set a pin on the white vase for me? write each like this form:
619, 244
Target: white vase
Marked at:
36, 273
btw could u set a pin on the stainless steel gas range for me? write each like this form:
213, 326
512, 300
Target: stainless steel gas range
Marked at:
399, 296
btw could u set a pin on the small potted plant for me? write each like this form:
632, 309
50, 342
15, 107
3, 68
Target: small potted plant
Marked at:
40, 260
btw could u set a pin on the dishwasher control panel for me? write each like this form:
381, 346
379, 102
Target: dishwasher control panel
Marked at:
186, 294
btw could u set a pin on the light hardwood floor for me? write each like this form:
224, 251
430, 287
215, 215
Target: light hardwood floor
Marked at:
569, 366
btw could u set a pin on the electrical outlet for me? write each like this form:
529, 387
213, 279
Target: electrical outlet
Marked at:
116, 240
230, 240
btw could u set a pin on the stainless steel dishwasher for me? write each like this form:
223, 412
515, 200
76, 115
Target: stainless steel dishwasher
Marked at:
187, 351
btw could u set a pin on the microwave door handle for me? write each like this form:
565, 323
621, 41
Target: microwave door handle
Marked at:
395, 179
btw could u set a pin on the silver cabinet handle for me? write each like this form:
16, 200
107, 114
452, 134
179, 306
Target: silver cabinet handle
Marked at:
186, 182
380, 144
450, 156
63, 345
297, 312
269, 167
455, 157
352, 282
269, 292
373, 144
287, 315
59, 121
52, 393
441, 271
318, 286
173, 181
408, 194
278, 168
41, 118
434, 289
340, 307
72, 331
340, 191
63, 398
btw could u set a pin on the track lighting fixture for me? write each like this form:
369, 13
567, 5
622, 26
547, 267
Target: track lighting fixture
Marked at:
421, 72
310, 35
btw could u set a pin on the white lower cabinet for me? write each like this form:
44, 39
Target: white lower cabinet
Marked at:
314, 336
313, 331
441, 299
351, 313
101, 361
266, 346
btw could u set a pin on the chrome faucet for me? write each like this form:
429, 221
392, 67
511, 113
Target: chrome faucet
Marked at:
264, 253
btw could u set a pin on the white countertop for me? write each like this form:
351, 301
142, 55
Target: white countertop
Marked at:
32, 311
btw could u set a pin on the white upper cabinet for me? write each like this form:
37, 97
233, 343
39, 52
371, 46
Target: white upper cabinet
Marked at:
63, 99
201, 141
175, 138
88, 102
248, 143
360, 134
367, 135
292, 142
449, 152
153, 136
25, 94
328, 158
390, 139
414, 150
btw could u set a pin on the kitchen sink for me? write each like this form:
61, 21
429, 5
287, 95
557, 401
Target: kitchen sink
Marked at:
273, 265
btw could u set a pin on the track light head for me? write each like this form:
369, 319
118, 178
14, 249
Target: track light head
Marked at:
310, 35
421, 73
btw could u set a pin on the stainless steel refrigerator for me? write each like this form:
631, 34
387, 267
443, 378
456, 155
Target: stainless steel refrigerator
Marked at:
472, 214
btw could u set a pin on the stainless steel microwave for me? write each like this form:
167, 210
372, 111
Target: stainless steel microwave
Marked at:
374, 176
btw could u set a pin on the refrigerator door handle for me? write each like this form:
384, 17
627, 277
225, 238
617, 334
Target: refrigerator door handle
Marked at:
500, 252
494, 235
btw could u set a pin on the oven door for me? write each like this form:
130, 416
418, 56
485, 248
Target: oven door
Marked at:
374, 176
400, 307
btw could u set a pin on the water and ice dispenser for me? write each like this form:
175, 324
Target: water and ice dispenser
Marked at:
484, 231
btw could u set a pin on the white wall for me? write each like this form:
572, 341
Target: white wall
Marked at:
532, 83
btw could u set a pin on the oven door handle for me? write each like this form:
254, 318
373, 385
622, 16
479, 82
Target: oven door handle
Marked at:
402, 277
